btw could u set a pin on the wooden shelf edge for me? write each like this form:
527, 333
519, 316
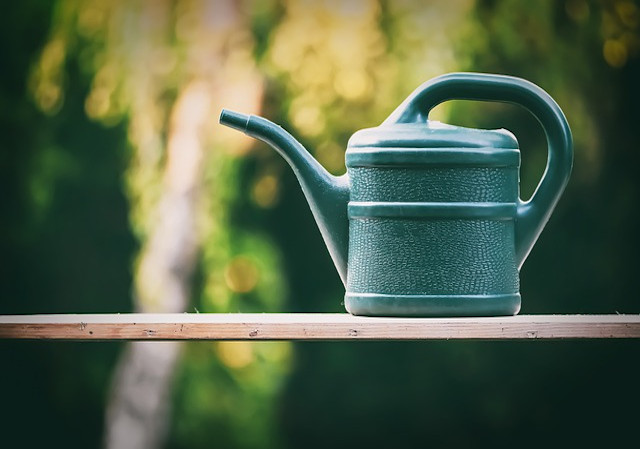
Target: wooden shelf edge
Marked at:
297, 326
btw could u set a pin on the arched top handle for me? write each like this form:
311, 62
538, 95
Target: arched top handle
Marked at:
532, 215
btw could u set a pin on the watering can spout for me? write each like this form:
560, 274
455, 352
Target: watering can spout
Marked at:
235, 120
326, 194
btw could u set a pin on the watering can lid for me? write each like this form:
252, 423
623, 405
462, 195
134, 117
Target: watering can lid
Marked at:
411, 144
431, 135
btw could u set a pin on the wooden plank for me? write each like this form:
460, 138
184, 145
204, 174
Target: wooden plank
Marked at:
296, 326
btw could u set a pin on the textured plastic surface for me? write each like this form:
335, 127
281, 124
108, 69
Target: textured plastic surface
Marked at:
428, 220
426, 257
467, 184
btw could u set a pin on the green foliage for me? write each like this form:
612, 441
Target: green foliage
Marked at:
224, 393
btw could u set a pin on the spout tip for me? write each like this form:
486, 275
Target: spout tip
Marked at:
234, 120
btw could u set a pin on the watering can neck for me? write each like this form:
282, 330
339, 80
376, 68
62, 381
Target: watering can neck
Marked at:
326, 194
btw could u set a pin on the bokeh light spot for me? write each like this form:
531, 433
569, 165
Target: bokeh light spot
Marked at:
615, 53
266, 191
235, 354
241, 274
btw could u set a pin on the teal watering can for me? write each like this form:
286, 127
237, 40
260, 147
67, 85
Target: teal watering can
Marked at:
428, 219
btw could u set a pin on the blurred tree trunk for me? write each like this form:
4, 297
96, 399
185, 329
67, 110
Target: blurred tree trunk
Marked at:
166, 68
138, 412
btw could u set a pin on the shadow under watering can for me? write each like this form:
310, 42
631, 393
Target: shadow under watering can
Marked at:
428, 219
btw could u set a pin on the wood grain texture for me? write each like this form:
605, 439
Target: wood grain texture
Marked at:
293, 326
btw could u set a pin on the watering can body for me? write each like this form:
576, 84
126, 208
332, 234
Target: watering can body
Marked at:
428, 219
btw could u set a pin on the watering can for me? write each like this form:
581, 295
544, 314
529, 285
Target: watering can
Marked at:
428, 219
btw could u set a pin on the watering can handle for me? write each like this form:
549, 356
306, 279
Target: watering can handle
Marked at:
532, 215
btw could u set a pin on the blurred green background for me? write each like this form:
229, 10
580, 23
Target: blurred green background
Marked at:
119, 186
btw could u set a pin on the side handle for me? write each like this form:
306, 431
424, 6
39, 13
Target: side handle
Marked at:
532, 215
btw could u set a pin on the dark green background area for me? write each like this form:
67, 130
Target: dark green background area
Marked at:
71, 250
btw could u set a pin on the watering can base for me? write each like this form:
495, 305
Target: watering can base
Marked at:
371, 304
